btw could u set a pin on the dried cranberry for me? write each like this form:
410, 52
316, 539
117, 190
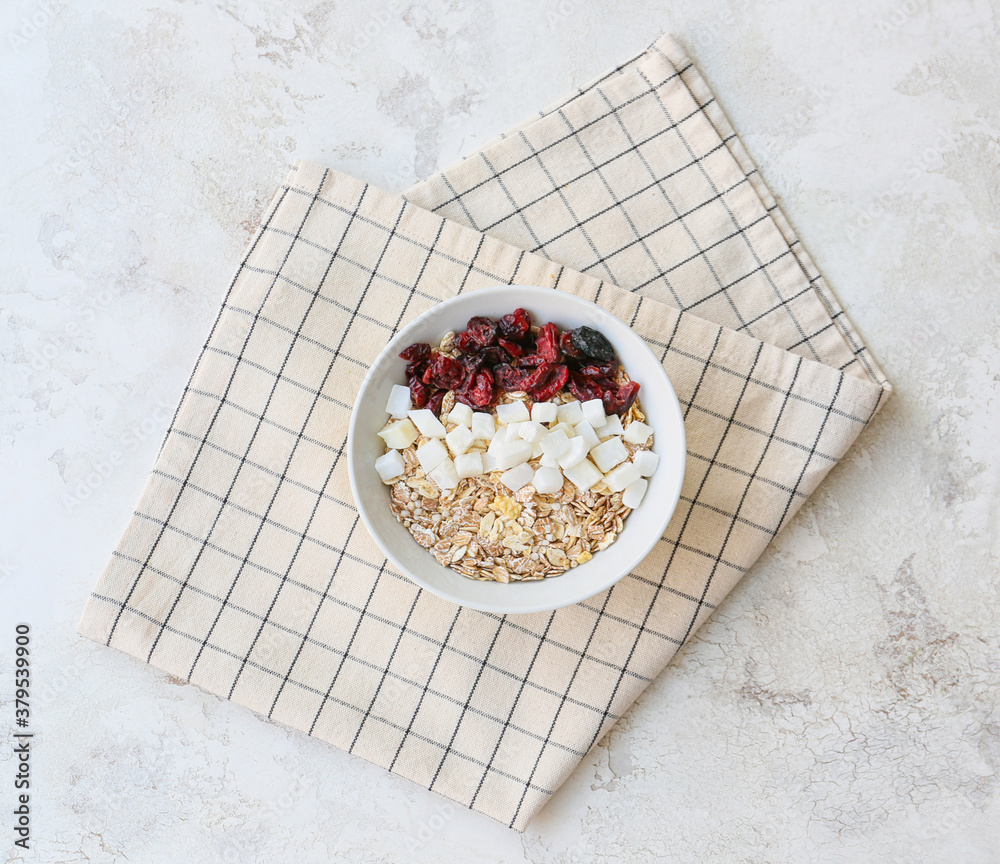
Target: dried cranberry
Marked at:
466, 343
593, 344
568, 348
493, 356
482, 330
434, 403
530, 361
478, 391
598, 370
547, 343
556, 379
416, 370
536, 378
416, 352
508, 378
419, 393
584, 389
618, 402
512, 348
471, 362
444, 372
515, 325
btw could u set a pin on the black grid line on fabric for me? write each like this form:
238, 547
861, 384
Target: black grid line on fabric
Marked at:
743, 498
402, 679
215, 415
516, 164
340, 702
240, 466
515, 209
695, 551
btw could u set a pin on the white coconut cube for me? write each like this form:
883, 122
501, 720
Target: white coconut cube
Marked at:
544, 412
483, 427
431, 454
584, 430
489, 462
583, 475
646, 461
399, 403
461, 414
548, 461
532, 431
518, 476
389, 465
536, 450
547, 481
637, 432
512, 431
445, 475
555, 443
399, 435
459, 440
622, 476
469, 465
496, 444
593, 412
609, 454
427, 423
511, 454
575, 453
570, 412
513, 412
562, 427
612, 427
634, 492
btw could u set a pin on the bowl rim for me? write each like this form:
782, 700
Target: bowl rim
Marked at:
581, 594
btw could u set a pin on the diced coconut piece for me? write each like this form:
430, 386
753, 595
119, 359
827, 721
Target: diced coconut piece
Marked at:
399, 403
445, 475
427, 423
513, 412
459, 440
593, 412
431, 454
632, 496
518, 476
512, 432
512, 454
547, 480
532, 431
609, 454
612, 427
399, 435
389, 465
637, 432
536, 450
646, 461
565, 427
622, 476
585, 431
469, 465
544, 412
576, 452
489, 462
461, 414
496, 444
555, 444
570, 412
583, 475
483, 427
548, 461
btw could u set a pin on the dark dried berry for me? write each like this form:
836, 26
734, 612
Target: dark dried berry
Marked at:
515, 325
618, 402
508, 378
434, 403
537, 377
512, 348
466, 343
493, 356
419, 393
444, 372
568, 348
547, 343
416, 352
593, 344
482, 330
598, 370
415, 370
530, 361
556, 379
478, 391
584, 389
470, 362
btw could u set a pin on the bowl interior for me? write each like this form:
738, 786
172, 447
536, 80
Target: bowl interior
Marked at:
644, 526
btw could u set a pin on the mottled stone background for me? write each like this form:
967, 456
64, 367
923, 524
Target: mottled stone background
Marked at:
841, 706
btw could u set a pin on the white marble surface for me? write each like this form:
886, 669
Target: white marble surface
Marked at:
842, 705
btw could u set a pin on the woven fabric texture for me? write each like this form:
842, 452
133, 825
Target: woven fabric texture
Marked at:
244, 568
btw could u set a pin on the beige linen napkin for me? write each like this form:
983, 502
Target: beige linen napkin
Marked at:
244, 568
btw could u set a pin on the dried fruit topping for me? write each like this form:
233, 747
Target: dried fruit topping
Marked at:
444, 372
508, 378
547, 343
416, 352
530, 361
434, 403
466, 343
555, 380
598, 370
592, 343
419, 393
568, 348
478, 391
493, 356
515, 325
512, 348
482, 330
584, 389
618, 402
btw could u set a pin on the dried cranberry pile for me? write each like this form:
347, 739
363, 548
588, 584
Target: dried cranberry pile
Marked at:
503, 356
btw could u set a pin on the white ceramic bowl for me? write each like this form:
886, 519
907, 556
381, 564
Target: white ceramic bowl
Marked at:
644, 526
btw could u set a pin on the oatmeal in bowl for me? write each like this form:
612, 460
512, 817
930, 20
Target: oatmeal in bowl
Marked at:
516, 449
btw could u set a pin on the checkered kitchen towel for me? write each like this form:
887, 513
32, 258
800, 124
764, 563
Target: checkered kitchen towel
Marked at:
244, 569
